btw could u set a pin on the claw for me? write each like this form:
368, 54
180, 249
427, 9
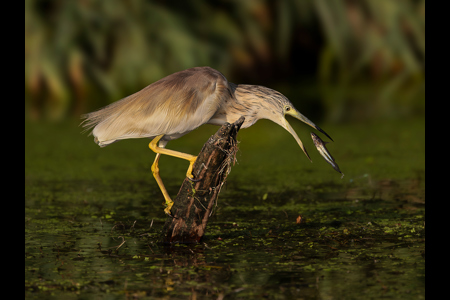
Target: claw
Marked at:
170, 214
192, 179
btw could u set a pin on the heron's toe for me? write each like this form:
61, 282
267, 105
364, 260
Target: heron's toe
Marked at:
169, 214
169, 204
168, 208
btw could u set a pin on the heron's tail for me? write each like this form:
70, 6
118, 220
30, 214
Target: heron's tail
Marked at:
99, 121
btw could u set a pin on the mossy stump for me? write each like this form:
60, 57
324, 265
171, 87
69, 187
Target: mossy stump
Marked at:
196, 199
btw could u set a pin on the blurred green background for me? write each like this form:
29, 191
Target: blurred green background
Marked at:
337, 61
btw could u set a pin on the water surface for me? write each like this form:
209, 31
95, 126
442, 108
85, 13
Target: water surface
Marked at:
362, 236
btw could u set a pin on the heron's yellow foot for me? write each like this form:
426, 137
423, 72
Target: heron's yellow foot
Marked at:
191, 165
169, 204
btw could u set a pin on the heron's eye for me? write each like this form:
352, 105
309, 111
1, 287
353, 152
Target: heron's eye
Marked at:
287, 108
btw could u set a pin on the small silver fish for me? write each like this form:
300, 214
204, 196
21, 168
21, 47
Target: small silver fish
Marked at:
320, 145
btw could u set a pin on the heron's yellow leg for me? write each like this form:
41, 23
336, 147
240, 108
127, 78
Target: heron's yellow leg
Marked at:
155, 171
191, 158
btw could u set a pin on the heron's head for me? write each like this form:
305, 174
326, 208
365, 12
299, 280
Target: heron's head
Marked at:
275, 107
290, 110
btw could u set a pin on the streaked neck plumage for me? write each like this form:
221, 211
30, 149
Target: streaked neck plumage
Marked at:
254, 102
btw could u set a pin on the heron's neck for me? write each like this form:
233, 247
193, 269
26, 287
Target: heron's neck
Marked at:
254, 102
243, 103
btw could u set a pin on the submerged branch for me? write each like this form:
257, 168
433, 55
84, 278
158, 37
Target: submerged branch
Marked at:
195, 201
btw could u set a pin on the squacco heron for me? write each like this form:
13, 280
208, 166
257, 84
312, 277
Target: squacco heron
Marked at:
179, 103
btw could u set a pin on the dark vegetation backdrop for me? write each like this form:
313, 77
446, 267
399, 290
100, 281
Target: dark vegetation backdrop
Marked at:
342, 60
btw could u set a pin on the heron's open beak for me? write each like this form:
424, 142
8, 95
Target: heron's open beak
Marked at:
304, 119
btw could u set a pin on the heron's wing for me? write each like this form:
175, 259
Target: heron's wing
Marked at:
174, 105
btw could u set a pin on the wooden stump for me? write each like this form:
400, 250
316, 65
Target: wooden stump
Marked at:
196, 199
